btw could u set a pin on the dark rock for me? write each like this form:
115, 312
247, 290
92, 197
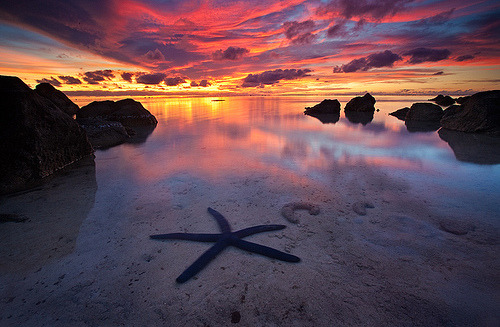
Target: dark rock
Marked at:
104, 134
424, 112
400, 113
451, 110
364, 103
128, 112
443, 100
37, 137
479, 114
57, 97
472, 147
359, 117
326, 106
461, 100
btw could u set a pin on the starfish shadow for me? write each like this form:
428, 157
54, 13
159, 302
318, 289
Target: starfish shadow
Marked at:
224, 239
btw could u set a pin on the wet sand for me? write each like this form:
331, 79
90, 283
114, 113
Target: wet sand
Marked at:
84, 257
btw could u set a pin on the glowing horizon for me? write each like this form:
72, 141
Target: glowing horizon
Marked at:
201, 47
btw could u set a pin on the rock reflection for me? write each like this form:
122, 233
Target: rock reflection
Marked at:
326, 118
141, 134
359, 117
472, 147
54, 213
414, 126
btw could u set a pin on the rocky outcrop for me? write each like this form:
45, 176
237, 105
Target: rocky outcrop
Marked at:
424, 112
57, 97
37, 137
326, 106
443, 100
451, 110
364, 103
479, 114
461, 100
128, 112
400, 113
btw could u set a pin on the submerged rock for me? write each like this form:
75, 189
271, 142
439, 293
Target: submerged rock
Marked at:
104, 134
364, 103
479, 114
326, 106
128, 112
57, 97
443, 100
424, 112
38, 138
400, 113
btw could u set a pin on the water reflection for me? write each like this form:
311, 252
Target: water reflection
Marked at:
422, 126
471, 147
54, 213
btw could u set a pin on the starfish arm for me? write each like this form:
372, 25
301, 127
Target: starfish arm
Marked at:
264, 250
187, 237
257, 229
202, 261
223, 223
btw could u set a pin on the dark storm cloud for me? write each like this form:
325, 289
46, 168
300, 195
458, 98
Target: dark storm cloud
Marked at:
173, 81
97, 76
274, 76
464, 58
376, 9
300, 33
151, 79
50, 80
74, 21
376, 60
231, 53
127, 76
420, 55
70, 80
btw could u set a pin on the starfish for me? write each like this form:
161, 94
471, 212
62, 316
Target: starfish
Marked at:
223, 240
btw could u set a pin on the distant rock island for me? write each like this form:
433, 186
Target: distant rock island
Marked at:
40, 136
357, 110
478, 113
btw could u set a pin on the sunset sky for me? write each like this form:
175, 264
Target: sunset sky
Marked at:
272, 47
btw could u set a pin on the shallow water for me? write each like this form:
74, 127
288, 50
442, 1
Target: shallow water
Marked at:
216, 140
81, 254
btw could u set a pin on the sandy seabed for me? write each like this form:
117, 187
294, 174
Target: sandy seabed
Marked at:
85, 260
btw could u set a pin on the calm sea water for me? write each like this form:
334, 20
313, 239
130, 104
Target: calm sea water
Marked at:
212, 141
